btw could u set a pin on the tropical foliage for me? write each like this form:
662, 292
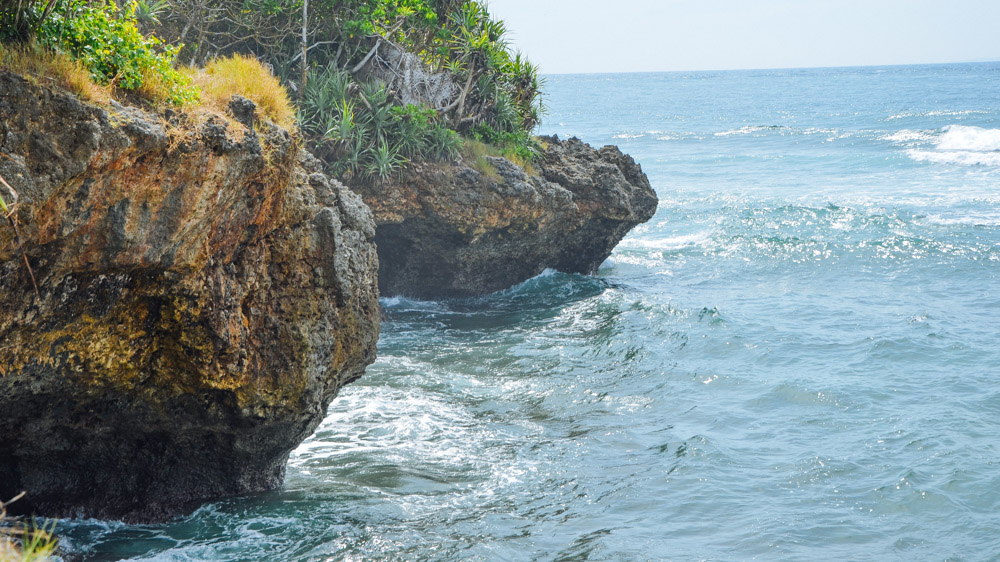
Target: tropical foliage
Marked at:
499, 88
320, 50
105, 39
364, 134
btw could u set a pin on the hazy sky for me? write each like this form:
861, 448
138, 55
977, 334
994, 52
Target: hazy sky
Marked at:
567, 36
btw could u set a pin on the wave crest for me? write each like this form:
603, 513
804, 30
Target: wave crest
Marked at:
967, 138
963, 145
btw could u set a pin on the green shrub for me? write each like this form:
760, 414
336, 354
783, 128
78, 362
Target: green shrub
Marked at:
362, 133
107, 42
518, 145
384, 162
444, 143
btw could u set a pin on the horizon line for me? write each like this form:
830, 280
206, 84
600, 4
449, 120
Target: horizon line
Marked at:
829, 67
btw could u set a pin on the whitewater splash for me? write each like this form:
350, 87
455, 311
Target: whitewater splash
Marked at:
963, 145
977, 139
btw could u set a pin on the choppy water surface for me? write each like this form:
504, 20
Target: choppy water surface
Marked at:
797, 358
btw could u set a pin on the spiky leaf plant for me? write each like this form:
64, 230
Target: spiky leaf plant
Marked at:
385, 162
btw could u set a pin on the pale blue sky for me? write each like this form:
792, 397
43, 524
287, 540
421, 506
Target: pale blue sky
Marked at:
568, 36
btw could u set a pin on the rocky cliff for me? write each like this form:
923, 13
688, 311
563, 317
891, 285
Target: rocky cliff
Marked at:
452, 230
204, 293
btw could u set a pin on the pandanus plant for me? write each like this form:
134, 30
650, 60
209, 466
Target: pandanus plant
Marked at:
500, 88
479, 43
385, 162
525, 89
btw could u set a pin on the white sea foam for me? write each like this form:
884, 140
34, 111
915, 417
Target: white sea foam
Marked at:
976, 139
421, 423
827, 131
393, 301
748, 130
961, 157
963, 145
405, 303
906, 115
673, 242
970, 219
677, 135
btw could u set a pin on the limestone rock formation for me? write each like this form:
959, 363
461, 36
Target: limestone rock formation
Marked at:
204, 292
450, 230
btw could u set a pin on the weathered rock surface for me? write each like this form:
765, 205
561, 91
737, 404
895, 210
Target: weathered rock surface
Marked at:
449, 230
205, 292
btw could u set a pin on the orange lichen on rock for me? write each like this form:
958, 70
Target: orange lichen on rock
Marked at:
205, 292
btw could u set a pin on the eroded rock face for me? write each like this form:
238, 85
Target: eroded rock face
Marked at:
448, 230
205, 292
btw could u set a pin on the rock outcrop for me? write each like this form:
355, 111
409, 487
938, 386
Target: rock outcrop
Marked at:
204, 293
450, 230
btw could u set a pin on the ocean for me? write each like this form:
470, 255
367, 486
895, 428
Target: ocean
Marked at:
797, 358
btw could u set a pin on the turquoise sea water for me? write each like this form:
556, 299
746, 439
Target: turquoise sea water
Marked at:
798, 358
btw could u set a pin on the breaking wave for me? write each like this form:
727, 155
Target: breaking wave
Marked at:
958, 144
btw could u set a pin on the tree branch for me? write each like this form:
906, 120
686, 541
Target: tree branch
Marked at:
367, 58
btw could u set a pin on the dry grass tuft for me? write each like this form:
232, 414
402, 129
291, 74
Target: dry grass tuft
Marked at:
475, 152
244, 75
41, 64
159, 91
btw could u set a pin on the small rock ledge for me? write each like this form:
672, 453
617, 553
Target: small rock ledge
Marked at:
449, 230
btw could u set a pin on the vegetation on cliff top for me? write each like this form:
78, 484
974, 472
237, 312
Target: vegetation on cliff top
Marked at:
324, 51
39, 63
105, 40
244, 75
362, 133
327, 50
